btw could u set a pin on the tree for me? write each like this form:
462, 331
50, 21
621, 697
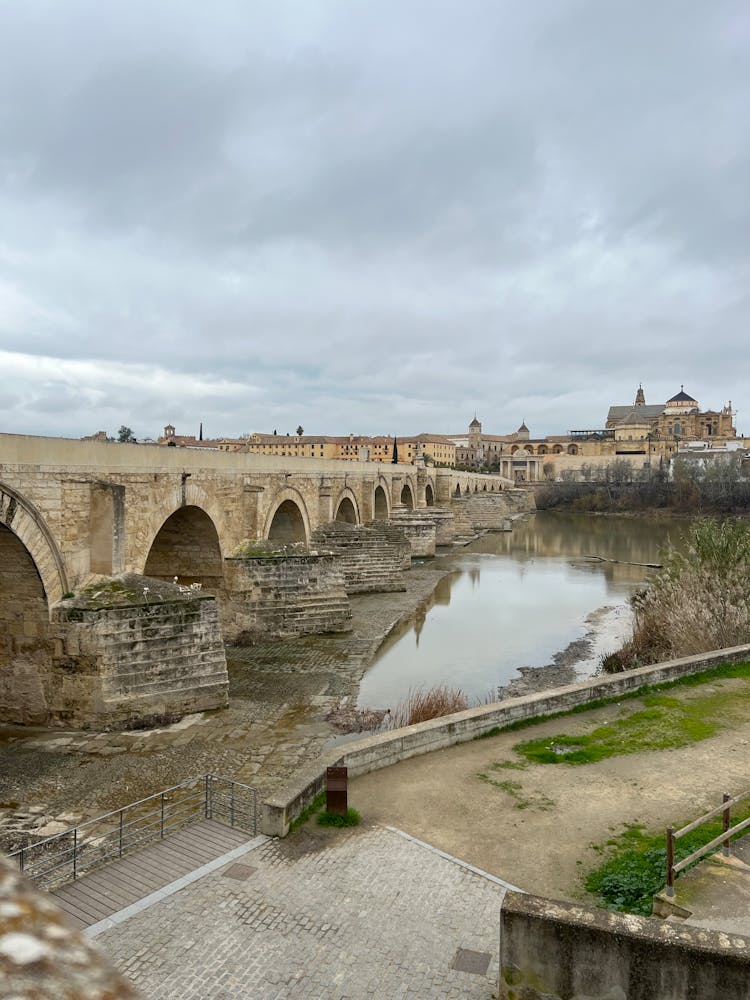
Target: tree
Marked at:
125, 434
300, 431
394, 458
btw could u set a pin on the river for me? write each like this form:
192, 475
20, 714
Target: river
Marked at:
520, 599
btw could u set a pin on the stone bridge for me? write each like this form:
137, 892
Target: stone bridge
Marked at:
100, 544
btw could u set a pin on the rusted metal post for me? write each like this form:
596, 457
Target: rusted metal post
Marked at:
75, 853
121, 833
20, 860
231, 804
161, 828
670, 861
725, 826
336, 790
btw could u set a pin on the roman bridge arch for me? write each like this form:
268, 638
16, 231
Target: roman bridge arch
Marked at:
380, 506
32, 578
287, 519
346, 507
408, 496
187, 543
22, 519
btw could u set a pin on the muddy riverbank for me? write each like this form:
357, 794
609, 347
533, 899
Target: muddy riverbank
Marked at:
279, 695
279, 698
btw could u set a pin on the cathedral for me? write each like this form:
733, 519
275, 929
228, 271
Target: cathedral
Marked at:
639, 432
663, 427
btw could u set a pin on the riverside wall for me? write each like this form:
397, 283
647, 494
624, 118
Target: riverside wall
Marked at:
552, 950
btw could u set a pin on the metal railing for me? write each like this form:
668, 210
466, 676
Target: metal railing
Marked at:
68, 855
724, 838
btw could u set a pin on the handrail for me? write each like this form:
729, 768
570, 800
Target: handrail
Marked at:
80, 848
724, 838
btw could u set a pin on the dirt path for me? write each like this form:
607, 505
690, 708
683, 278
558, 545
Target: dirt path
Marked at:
540, 830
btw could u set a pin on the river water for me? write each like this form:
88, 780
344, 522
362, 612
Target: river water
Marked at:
515, 599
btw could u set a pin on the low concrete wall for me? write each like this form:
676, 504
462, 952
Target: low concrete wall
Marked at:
551, 950
375, 752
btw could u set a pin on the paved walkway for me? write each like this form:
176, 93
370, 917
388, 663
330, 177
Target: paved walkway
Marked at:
340, 914
717, 891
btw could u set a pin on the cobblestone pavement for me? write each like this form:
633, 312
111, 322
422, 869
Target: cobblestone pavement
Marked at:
278, 695
341, 914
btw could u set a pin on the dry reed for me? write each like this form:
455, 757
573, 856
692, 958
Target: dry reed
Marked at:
422, 704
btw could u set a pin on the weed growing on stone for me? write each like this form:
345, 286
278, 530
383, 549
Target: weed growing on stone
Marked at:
352, 818
315, 806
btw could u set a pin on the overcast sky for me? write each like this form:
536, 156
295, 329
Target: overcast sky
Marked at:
370, 216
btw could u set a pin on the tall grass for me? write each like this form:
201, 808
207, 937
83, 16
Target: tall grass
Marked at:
422, 704
698, 602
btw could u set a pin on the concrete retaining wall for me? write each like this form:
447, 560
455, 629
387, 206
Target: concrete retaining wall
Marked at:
375, 752
551, 950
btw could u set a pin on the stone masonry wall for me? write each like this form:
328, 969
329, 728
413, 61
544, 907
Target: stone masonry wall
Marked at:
284, 595
419, 531
368, 560
551, 950
157, 656
489, 511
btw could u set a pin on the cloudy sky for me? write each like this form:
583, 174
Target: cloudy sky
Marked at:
374, 216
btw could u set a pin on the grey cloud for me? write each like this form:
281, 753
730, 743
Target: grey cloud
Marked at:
353, 214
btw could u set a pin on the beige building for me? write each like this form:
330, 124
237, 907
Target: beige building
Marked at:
350, 448
639, 432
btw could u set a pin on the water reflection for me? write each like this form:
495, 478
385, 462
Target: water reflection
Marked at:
514, 599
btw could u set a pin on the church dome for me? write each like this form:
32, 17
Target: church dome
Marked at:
523, 428
475, 422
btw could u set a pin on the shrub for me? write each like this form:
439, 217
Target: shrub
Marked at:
698, 602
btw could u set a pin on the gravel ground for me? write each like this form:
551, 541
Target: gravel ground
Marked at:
280, 693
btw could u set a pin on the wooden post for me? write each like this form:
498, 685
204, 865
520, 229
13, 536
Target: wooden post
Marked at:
670, 861
725, 826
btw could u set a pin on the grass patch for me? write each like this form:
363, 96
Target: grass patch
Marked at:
352, 818
663, 724
636, 866
515, 790
315, 806
724, 670
512, 788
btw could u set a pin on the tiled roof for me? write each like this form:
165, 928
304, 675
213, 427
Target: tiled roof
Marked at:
648, 411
